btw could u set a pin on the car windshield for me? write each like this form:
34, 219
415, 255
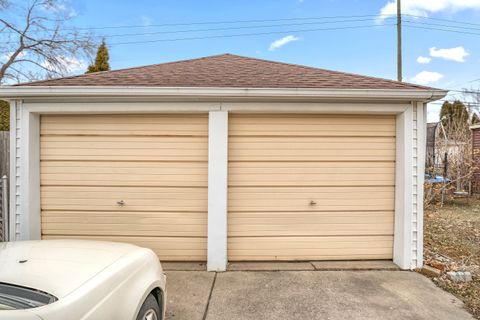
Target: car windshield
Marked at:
14, 297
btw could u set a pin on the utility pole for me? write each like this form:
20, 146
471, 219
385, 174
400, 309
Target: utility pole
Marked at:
399, 40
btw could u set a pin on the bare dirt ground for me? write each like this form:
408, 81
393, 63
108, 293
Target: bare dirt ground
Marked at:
452, 243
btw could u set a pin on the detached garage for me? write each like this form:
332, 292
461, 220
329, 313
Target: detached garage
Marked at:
223, 158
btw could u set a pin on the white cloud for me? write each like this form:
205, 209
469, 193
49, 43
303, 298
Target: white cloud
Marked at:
455, 54
424, 60
426, 77
426, 7
281, 42
71, 64
60, 7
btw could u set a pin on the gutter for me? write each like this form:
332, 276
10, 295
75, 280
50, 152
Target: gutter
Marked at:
475, 126
16, 92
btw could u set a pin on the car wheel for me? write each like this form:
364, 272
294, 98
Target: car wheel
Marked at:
149, 310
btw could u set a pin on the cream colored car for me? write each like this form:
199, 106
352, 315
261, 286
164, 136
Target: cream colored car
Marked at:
77, 279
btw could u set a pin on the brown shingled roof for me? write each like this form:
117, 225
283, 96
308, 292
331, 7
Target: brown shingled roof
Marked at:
228, 70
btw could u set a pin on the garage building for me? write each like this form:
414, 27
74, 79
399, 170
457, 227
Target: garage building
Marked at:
223, 158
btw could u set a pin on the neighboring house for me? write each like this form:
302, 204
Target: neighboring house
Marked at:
476, 158
442, 153
223, 158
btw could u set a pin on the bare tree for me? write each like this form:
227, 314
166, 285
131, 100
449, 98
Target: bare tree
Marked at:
38, 41
453, 154
473, 96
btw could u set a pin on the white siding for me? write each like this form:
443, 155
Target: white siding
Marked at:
415, 184
419, 169
15, 152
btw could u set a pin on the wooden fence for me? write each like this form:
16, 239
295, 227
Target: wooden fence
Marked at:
4, 153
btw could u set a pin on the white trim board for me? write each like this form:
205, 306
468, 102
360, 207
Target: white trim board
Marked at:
30, 175
13, 172
203, 107
402, 239
217, 190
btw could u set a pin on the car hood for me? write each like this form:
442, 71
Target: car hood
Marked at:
57, 266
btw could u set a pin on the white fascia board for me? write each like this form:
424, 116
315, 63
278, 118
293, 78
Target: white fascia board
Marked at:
10, 92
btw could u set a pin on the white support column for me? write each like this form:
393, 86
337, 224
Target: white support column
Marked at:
422, 144
30, 176
217, 190
402, 240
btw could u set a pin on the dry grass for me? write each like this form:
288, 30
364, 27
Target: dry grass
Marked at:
452, 243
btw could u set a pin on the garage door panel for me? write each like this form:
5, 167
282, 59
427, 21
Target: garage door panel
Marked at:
313, 125
157, 164
134, 173
167, 248
136, 199
123, 148
278, 174
311, 149
244, 224
122, 223
126, 125
310, 248
299, 199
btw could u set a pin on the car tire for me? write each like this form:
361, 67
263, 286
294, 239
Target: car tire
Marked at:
150, 309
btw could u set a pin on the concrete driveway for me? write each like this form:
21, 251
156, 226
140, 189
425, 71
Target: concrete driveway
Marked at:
308, 294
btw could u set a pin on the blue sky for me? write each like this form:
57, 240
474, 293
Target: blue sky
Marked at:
370, 51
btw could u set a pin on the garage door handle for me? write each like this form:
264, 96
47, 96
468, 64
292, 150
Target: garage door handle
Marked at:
121, 203
312, 203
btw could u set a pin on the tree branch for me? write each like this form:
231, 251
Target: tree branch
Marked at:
50, 43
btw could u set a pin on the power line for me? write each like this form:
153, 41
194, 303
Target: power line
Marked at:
445, 20
464, 83
224, 22
443, 25
464, 91
439, 29
231, 28
249, 34
450, 100
352, 18
272, 26
179, 24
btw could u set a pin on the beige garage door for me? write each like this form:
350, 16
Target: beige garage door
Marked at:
155, 164
311, 187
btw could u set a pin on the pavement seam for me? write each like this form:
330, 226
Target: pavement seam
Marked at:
314, 268
209, 297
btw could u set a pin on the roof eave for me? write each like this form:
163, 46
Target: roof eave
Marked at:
20, 92
475, 126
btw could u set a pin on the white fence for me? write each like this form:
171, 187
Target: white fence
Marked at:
4, 209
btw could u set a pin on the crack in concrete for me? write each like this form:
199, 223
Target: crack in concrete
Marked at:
209, 297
